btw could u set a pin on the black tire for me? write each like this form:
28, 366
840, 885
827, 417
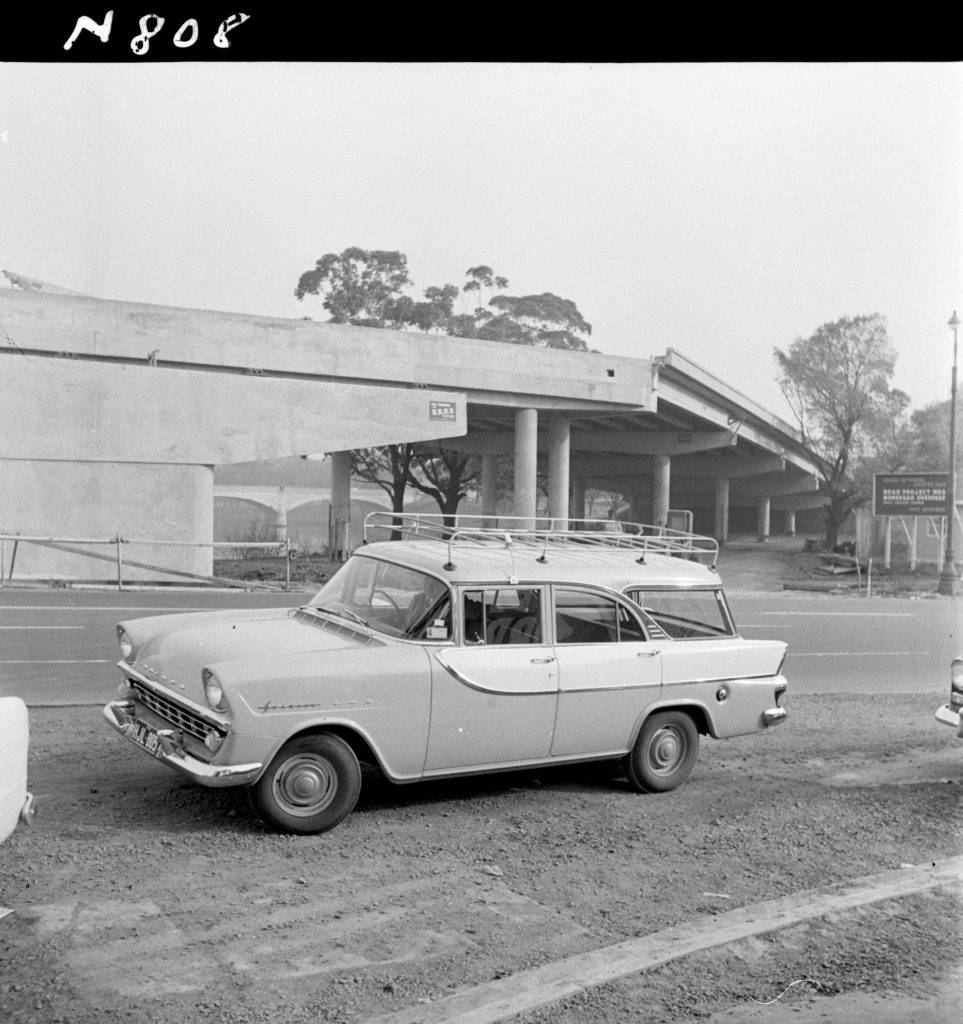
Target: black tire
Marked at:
311, 785
664, 753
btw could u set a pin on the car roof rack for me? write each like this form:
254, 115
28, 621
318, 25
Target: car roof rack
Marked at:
540, 531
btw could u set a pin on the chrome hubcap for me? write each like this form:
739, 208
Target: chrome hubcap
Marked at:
305, 785
667, 750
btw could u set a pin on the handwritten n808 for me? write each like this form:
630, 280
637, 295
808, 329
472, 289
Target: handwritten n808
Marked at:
150, 25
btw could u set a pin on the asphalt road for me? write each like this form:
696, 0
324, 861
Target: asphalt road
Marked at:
59, 646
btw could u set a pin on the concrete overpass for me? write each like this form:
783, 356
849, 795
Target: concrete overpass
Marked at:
114, 416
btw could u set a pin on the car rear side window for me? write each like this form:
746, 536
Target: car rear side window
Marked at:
685, 614
584, 617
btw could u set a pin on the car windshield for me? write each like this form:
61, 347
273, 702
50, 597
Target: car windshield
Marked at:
685, 614
388, 598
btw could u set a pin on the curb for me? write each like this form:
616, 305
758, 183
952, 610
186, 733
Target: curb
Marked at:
534, 989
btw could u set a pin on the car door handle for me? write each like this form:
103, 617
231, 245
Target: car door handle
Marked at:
542, 661
647, 654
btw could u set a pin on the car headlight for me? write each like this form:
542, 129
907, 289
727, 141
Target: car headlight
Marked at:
213, 691
126, 644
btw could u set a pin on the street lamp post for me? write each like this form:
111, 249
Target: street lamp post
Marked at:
950, 577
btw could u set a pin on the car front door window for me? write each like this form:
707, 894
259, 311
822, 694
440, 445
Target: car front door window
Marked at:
502, 615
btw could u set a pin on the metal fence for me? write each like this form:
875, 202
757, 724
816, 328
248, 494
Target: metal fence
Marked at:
10, 542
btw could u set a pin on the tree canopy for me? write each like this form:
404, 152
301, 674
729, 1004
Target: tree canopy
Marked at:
925, 439
359, 285
366, 287
837, 383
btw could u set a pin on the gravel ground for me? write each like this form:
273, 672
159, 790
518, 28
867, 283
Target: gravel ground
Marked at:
138, 897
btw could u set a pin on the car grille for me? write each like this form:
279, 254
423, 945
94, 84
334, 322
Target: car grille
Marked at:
180, 717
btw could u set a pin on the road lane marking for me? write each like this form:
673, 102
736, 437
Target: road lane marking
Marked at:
838, 615
108, 608
43, 627
542, 986
65, 661
852, 654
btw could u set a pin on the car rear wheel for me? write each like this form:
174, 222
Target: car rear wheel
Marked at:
665, 752
311, 785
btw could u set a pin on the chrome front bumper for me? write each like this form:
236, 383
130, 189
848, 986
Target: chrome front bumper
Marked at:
120, 716
949, 717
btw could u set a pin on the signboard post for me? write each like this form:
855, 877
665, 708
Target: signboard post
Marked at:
910, 495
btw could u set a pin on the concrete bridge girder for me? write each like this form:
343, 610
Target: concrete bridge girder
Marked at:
188, 390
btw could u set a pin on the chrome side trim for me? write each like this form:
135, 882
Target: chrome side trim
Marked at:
779, 682
478, 688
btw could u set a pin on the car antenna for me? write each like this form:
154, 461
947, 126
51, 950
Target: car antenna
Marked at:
543, 557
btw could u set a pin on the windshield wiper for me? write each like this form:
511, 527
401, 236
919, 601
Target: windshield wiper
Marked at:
341, 613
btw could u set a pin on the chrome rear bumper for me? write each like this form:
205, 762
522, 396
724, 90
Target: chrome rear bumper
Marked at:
774, 716
949, 717
29, 810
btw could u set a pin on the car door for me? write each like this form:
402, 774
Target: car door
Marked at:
609, 672
494, 694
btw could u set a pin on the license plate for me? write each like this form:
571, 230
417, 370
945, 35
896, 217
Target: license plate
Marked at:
144, 736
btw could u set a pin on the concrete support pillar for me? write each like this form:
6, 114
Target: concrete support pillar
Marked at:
339, 521
526, 463
559, 444
762, 519
577, 506
637, 508
281, 517
790, 522
661, 472
722, 510
489, 486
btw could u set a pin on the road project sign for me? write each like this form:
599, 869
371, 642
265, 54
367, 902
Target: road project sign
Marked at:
909, 494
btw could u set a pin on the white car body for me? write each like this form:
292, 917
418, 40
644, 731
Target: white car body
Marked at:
454, 650
16, 803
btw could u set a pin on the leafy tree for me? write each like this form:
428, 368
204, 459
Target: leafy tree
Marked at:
483, 277
545, 320
359, 285
926, 439
837, 383
435, 313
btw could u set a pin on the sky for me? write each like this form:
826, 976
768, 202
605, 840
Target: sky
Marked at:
718, 209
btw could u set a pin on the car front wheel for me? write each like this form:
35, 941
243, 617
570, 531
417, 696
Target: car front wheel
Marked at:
311, 785
665, 752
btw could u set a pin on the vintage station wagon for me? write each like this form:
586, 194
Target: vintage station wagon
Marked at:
454, 649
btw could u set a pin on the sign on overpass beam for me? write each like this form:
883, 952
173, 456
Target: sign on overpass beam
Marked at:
909, 494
